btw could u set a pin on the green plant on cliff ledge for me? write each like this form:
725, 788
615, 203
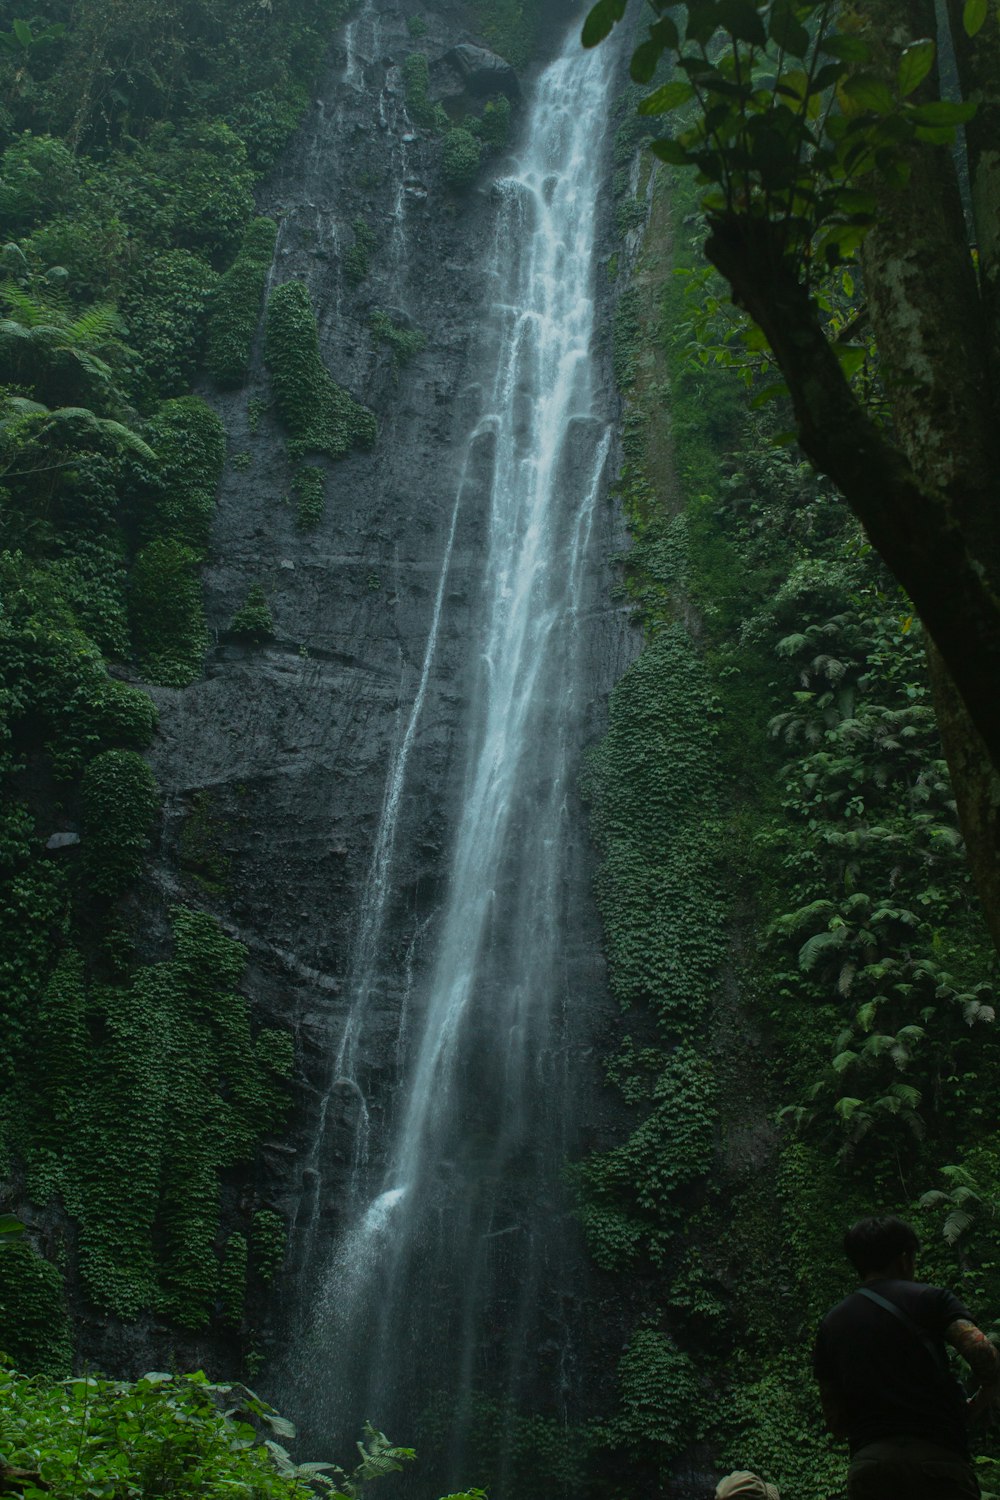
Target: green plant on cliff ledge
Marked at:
253, 620
190, 444
358, 255
416, 82
321, 417
511, 27
236, 304
119, 800
168, 620
403, 342
309, 489
460, 158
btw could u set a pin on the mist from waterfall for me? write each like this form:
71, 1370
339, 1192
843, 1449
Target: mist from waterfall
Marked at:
433, 1294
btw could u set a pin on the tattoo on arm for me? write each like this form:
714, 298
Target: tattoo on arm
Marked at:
975, 1348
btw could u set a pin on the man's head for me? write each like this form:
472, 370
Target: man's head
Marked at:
745, 1486
888, 1245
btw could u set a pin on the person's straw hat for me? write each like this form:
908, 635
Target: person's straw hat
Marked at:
745, 1486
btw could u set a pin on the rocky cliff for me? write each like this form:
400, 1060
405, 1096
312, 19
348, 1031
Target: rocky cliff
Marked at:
274, 766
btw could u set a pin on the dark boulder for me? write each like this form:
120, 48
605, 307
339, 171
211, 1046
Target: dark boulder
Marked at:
482, 72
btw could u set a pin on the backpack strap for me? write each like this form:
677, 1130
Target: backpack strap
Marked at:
935, 1351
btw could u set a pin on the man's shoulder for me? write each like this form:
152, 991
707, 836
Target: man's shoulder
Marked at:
928, 1303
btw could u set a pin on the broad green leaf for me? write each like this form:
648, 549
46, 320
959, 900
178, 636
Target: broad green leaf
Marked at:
915, 64
827, 76
23, 33
941, 112
935, 135
786, 30
973, 16
741, 20
865, 92
794, 84
703, 20
600, 20
670, 151
644, 60
665, 34
847, 48
850, 357
770, 393
854, 201
662, 100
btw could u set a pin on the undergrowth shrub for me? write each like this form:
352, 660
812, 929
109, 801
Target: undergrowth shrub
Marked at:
165, 310
309, 489
119, 800
319, 414
460, 158
168, 621
190, 443
236, 304
253, 620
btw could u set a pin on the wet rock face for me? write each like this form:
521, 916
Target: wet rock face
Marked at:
482, 72
273, 767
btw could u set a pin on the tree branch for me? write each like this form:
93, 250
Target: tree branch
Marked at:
909, 523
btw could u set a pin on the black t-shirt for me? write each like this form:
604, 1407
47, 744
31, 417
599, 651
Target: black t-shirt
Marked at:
887, 1379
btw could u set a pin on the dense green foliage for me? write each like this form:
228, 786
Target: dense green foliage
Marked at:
460, 160
309, 489
235, 310
417, 83
131, 138
510, 26
164, 1071
787, 908
253, 621
359, 252
403, 342
320, 416
162, 1435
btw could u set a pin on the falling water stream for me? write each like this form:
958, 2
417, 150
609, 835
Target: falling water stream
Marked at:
434, 1301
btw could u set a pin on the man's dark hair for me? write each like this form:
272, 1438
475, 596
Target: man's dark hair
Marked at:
871, 1244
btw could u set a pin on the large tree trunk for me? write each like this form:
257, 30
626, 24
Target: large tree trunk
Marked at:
928, 499
935, 327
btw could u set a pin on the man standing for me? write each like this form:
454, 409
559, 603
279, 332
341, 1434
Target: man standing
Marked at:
883, 1374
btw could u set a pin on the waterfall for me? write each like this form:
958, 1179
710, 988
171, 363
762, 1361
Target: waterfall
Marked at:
439, 1295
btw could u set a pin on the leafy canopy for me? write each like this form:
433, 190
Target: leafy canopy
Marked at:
792, 112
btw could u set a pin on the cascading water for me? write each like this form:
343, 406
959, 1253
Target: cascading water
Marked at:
437, 1303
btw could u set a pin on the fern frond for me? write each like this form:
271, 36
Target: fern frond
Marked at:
813, 950
98, 325
955, 1225
29, 311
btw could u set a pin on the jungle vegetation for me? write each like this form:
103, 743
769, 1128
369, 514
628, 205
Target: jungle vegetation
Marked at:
824, 136
770, 885
806, 983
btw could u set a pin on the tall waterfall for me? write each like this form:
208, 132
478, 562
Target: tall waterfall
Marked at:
437, 1303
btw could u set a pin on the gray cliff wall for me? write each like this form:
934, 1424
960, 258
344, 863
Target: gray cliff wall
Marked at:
273, 766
